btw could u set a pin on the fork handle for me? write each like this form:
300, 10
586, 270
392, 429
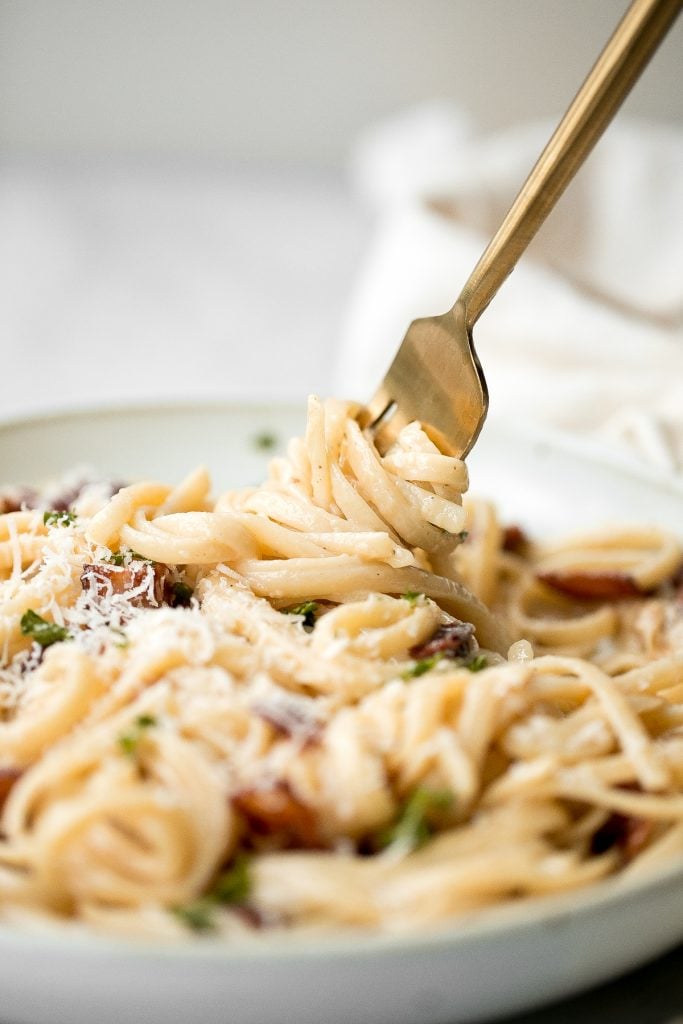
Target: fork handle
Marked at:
616, 70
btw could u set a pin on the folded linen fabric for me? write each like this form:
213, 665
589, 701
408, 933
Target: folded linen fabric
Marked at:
587, 334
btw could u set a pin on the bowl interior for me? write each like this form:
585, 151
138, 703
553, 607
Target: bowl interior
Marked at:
494, 962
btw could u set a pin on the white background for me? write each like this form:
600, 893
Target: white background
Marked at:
292, 80
176, 216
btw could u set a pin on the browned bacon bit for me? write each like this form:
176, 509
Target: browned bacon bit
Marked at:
30, 659
16, 498
454, 640
289, 719
605, 586
676, 584
63, 500
515, 539
639, 834
277, 813
8, 776
250, 915
114, 486
676, 579
101, 580
628, 834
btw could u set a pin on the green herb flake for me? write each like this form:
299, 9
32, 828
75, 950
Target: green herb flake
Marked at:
414, 824
419, 668
181, 595
234, 885
265, 441
477, 663
463, 535
231, 888
53, 518
412, 597
119, 557
43, 632
140, 558
197, 915
121, 638
129, 741
308, 609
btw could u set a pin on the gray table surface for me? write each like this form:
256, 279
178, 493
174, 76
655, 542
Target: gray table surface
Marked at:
651, 995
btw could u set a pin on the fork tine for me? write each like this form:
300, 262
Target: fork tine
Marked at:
435, 378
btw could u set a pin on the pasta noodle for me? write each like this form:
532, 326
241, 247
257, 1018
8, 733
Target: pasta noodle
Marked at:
345, 698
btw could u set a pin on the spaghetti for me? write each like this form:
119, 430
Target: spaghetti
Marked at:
345, 698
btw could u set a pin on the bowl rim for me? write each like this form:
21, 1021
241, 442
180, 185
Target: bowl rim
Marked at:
582, 446
505, 921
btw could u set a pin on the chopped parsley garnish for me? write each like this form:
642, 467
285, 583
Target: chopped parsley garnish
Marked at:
418, 668
121, 638
265, 441
412, 597
43, 632
477, 663
308, 609
145, 721
414, 825
129, 741
232, 887
59, 518
197, 915
181, 595
119, 557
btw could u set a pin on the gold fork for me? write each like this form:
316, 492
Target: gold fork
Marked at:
436, 377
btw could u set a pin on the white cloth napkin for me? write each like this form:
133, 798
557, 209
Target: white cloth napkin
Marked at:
587, 334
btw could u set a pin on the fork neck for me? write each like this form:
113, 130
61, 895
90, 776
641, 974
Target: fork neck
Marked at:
618, 67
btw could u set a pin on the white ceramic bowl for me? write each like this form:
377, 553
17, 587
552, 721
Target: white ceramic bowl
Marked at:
491, 963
